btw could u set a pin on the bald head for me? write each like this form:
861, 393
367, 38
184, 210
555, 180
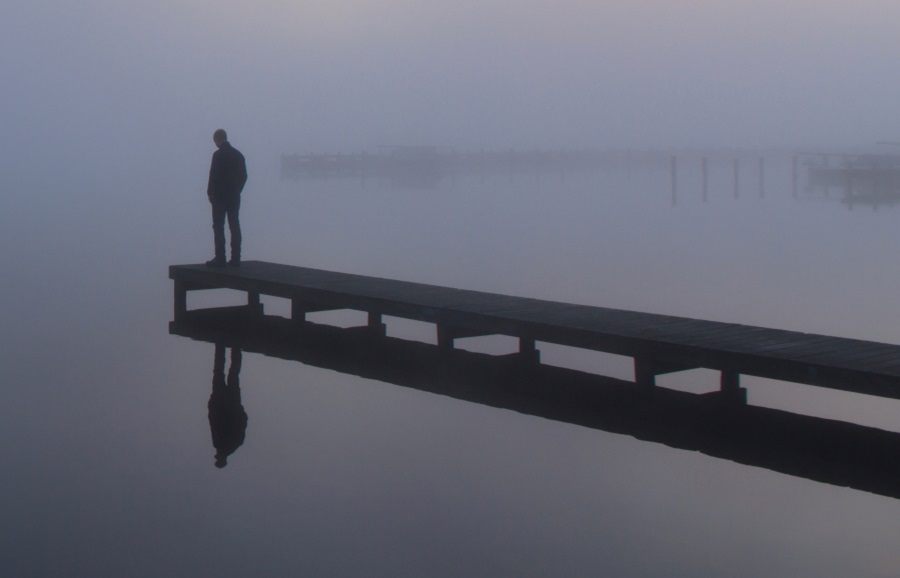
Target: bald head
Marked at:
219, 137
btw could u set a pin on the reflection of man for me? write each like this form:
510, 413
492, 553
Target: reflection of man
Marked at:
227, 176
227, 418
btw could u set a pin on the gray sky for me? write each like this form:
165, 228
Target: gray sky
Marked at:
128, 82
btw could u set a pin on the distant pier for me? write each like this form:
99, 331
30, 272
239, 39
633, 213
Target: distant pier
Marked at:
431, 162
864, 179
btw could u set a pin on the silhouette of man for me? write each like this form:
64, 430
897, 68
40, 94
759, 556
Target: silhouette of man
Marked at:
227, 176
227, 418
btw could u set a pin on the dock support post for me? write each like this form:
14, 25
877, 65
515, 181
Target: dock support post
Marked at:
375, 325
180, 300
444, 337
730, 388
527, 350
730, 381
253, 303
644, 375
298, 313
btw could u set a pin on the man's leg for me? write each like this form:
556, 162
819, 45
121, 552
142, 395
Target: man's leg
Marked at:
218, 219
234, 226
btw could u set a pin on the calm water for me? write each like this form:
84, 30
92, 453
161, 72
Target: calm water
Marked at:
108, 460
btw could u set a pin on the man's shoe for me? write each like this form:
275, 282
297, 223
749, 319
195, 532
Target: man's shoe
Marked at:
215, 262
234, 263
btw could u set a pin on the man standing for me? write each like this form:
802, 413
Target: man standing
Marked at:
227, 176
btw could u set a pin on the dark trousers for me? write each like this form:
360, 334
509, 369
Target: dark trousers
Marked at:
229, 207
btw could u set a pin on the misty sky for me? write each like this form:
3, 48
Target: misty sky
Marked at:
138, 83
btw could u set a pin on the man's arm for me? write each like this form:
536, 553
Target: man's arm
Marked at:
214, 171
242, 173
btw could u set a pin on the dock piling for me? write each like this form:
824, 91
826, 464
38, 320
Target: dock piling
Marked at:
180, 299
375, 325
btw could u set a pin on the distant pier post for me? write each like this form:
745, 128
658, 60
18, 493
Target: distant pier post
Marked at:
848, 186
363, 168
673, 171
704, 169
794, 175
737, 180
481, 163
762, 177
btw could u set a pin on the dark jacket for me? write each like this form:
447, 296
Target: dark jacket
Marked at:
227, 172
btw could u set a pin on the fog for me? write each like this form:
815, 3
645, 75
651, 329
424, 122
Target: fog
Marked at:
105, 143
102, 84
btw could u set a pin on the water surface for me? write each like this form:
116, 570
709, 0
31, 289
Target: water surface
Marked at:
109, 457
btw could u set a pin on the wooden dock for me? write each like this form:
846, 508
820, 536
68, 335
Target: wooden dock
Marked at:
659, 344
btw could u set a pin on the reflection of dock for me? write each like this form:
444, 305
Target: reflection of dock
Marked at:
658, 343
819, 449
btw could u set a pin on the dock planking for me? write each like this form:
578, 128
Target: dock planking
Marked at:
658, 343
